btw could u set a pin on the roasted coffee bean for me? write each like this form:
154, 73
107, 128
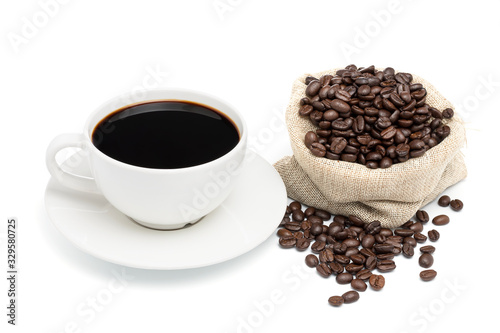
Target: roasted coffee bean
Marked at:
344, 278
324, 270
309, 211
311, 260
419, 237
353, 268
377, 282
386, 265
336, 300
444, 201
385, 256
292, 226
350, 296
383, 248
441, 220
368, 241
456, 205
298, 215
404, 232
318, 246
295, 205
284, 233
371, 262
302, 244
417, 227
351, 242
427, 249
336, 267
313, 88
342, 259
433, 235
364, 274
326, 256
316, 229
287, 242
317, 149
408, 250
448, 113
373, 227
310, 138
422, 216
358, 284
410, 240
323, 214
428, 275
358, 258
426, 260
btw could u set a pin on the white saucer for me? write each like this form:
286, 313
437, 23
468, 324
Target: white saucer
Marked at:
246, 219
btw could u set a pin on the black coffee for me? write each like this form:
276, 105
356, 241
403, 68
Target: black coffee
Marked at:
166, 134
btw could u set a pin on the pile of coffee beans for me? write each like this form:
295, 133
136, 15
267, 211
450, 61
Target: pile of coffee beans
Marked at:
352, 249
375, 118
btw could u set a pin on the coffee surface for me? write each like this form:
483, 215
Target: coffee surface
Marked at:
165, 134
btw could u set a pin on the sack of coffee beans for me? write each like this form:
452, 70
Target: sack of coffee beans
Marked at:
370, 142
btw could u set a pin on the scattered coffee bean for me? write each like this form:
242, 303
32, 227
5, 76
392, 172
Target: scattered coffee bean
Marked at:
358, 284
422, 216
323, 270
441, 220
311, 260
288, 242
336, 300
420, 238
444, 201
427, 249
426, 260
344, 278
408, 250
377, 282
456, 205
350, 296
433, 235
302, 244
428, 274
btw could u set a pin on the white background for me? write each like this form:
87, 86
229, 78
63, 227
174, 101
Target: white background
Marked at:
54, 73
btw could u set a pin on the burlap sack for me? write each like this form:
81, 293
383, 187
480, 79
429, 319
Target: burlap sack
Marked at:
391, 195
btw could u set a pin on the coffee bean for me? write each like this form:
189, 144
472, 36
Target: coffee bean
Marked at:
302, 244
373, 227
318, 246
433, 235
377, 282
353, 268
326, 256
417, 227
310, 138
448, 113
364, 274
383, 248
358, 284
350, 296
311, 260
323, 214
428, 274
441, 220
324, 270
410, 240
292, 226
368, 241
371, 262
419, 237
456, 205
344, 278
408, 250
288, 242
386, 265
313, 88
336, 268
358, 259
404, 232
298, 215
422, 216
336, 300
317, 149
427, 249
444, 201
284, 233
426, 260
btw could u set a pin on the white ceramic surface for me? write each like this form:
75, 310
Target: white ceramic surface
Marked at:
92, 224
157, 198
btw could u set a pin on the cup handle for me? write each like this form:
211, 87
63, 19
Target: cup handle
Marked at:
73, 181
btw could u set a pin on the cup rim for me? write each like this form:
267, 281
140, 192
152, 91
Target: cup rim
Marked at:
228, 156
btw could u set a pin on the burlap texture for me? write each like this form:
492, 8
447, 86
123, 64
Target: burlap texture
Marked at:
391, 195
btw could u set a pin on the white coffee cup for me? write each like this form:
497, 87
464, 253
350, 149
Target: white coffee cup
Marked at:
156, 198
